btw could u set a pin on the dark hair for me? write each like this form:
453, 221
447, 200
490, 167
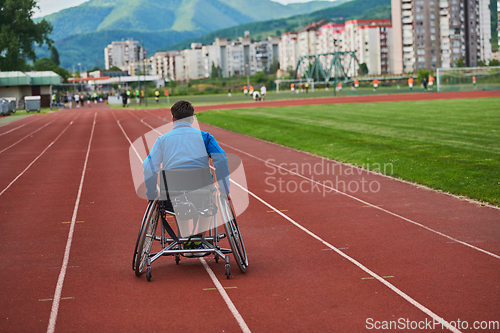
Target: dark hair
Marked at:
182, 109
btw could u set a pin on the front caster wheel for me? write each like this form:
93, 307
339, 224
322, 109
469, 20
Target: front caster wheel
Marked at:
177, 259
228, 267
148, 275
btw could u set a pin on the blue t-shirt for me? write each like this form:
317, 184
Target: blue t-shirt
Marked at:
185, 147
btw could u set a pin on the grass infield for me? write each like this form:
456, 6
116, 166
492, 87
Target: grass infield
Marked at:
447, 145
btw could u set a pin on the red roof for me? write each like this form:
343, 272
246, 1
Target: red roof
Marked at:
81, 79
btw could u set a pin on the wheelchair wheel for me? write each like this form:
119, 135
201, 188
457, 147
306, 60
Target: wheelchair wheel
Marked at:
134, 260
146, 238
234, 235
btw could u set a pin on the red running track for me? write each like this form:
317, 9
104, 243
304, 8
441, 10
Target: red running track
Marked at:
318, 261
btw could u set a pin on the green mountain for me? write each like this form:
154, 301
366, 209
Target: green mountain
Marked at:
176, 15
81, 33
356, 9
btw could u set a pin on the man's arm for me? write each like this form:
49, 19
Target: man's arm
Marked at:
219, 159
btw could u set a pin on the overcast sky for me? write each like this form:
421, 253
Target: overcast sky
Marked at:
51, 6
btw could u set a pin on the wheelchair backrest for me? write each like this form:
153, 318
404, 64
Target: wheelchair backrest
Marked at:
188, 189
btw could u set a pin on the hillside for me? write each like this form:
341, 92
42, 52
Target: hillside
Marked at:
356, 9
176, 15
81, 33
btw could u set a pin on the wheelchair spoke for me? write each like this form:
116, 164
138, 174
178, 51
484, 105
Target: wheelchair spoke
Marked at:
147, 237
233, 235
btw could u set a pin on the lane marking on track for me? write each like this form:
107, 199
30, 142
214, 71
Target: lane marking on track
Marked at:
216, 288
355, 262
60, 281
216, 282
226, 298
75, 222
12, 145
372, 278
33, 162
19, 127
50, 299
340, 248
282, 210
367, 203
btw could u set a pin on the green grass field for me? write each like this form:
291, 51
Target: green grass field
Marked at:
448, 145
239, 97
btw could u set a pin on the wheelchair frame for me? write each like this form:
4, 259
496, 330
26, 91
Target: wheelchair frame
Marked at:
174, 246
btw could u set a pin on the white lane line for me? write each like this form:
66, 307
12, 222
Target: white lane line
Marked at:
50, 145
367, 203
226, 298
57, 295
12, 145
216, 282
368, 271
12, 130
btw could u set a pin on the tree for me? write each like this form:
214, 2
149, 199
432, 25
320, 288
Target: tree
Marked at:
459, 63
54, 56
18, 33
215, 71
423, 74
494, 62
63, 73
481, 63
363, 69
44, 64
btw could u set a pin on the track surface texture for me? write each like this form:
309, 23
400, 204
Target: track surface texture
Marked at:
320, 260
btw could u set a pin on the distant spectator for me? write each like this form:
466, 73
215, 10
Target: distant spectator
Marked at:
256, 96
410, 83
124, 98
263, 91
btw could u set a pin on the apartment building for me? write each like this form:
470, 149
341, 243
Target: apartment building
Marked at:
163, 64
288, 49
437, 33
330, 38
371, 41
124, 54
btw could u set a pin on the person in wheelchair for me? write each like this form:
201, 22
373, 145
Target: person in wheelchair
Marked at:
189, 149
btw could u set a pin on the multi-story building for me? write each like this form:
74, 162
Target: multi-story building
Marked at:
371, 41
437, 33
330, 38
273, 51
288, 48
124, 54
163, 64
307, 38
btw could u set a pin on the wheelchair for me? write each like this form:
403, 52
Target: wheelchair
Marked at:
186, 196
